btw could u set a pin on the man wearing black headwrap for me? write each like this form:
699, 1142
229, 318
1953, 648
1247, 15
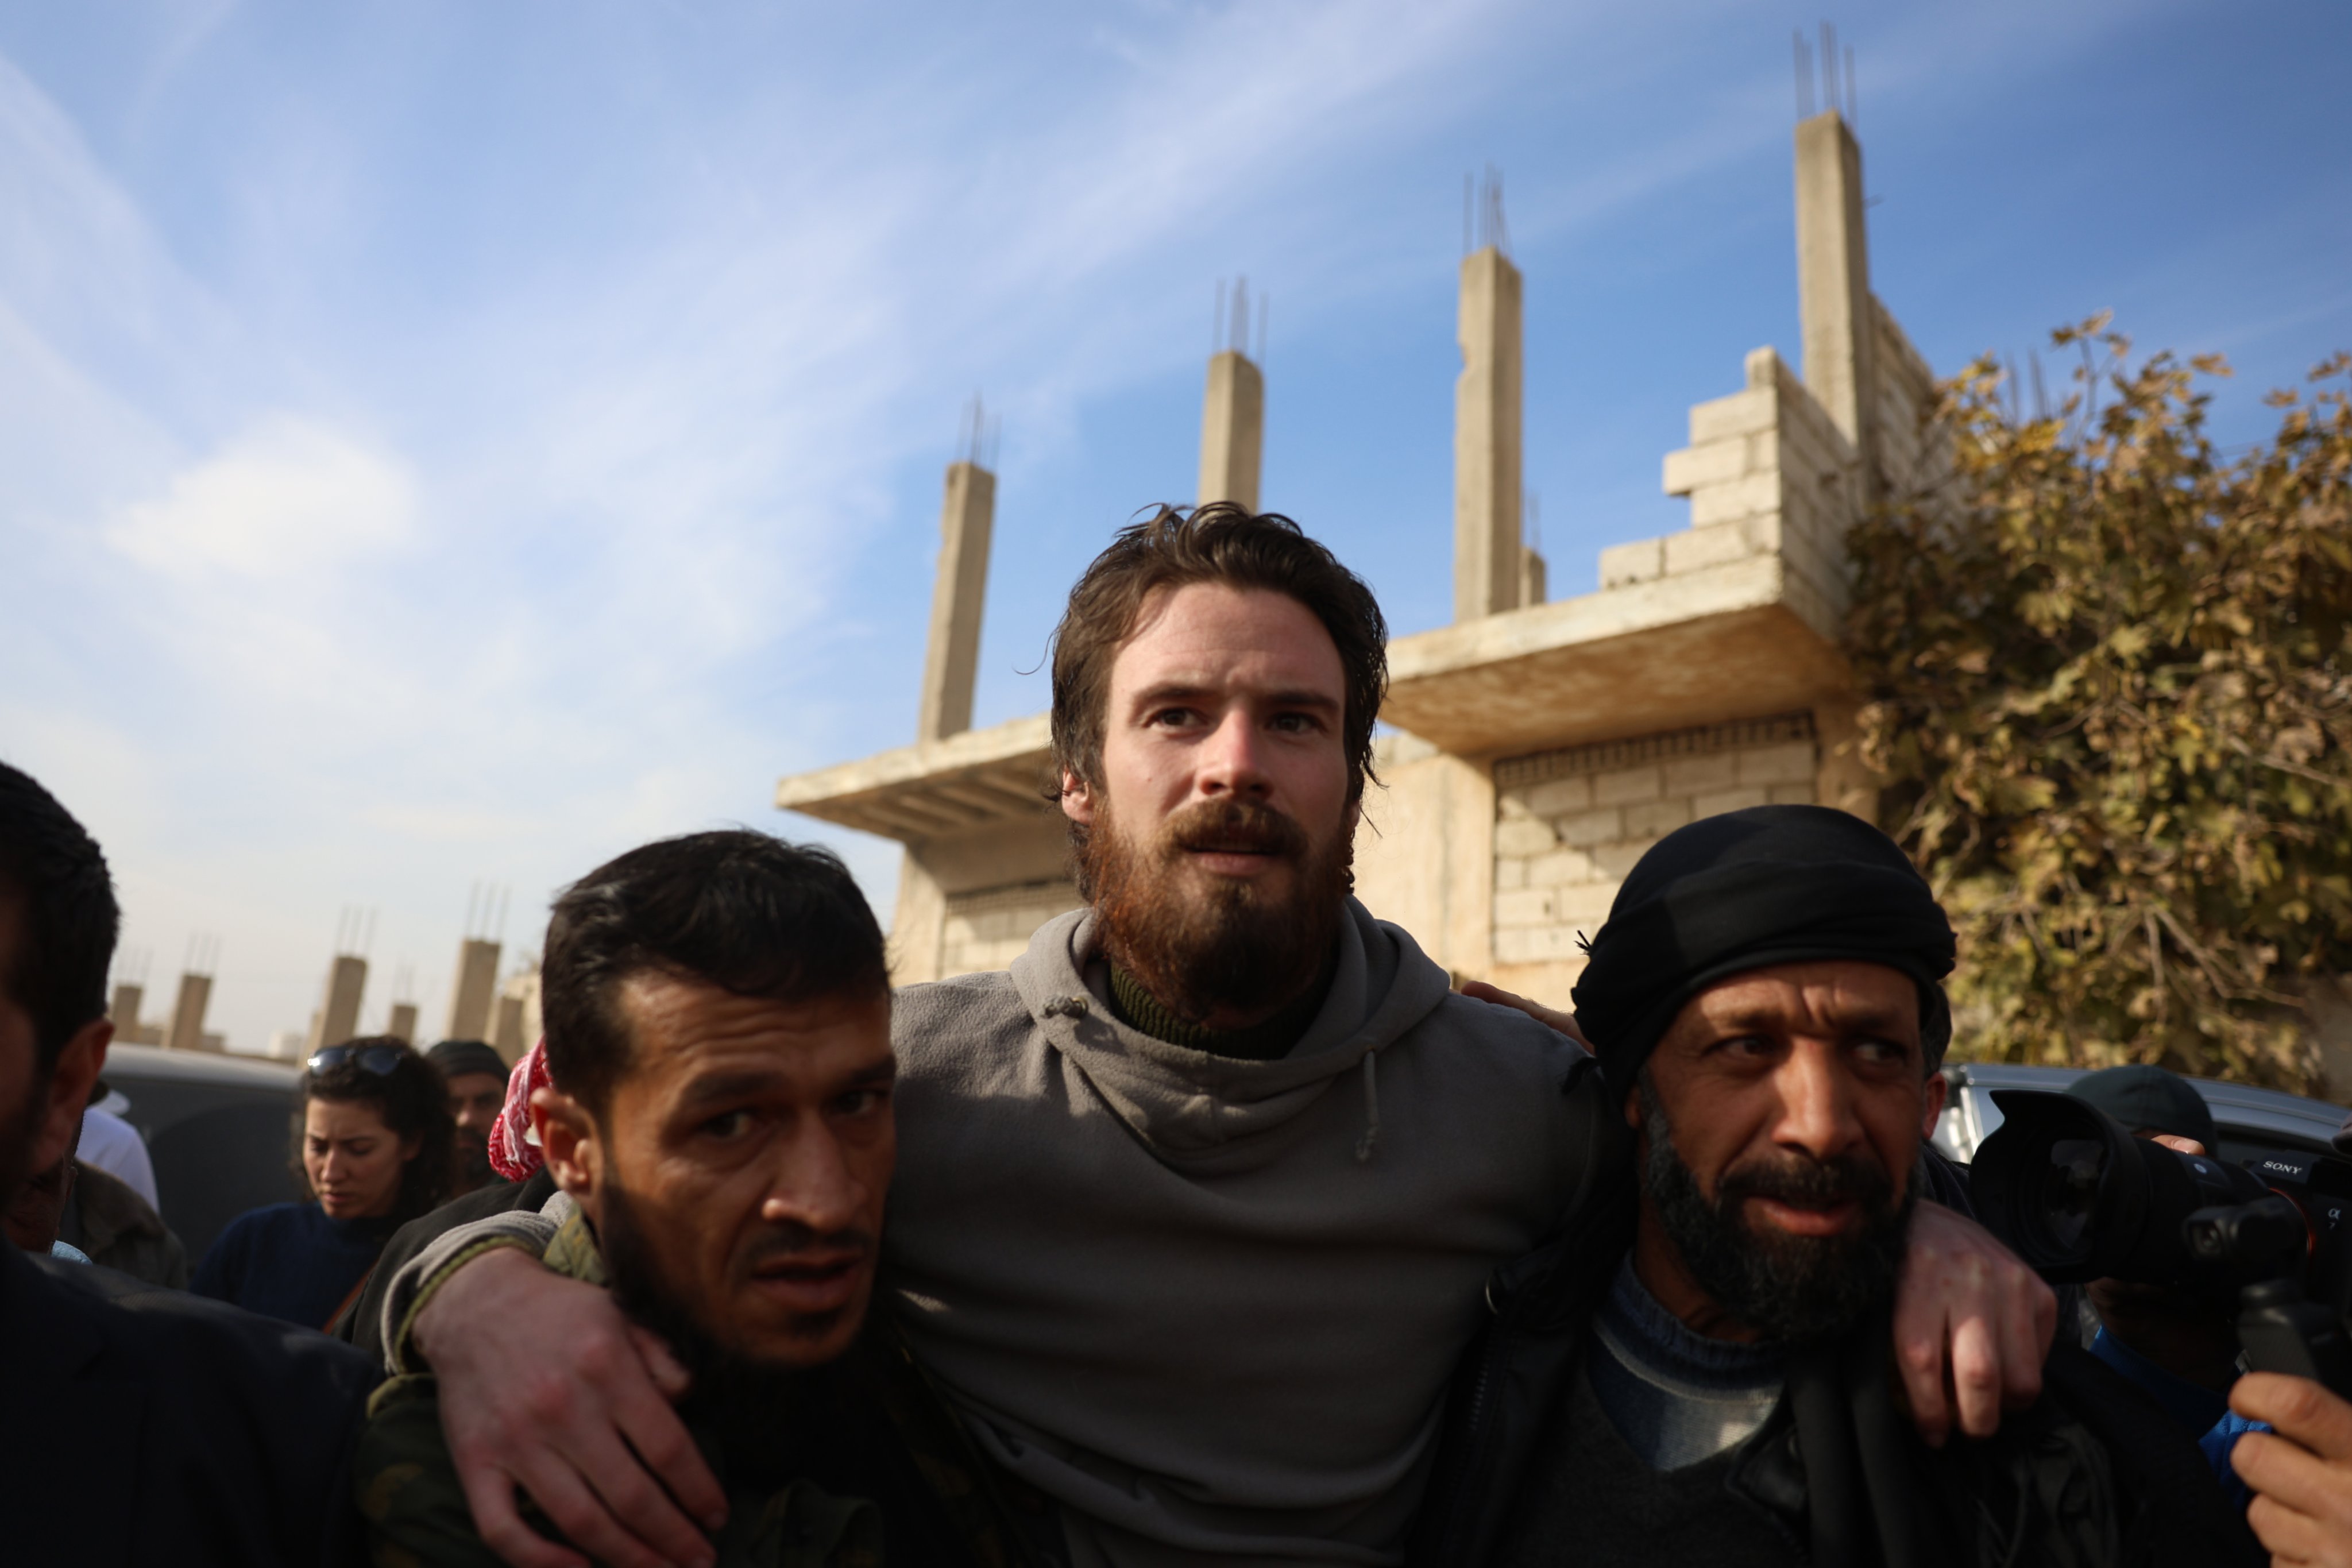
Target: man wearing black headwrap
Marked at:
1697, 1370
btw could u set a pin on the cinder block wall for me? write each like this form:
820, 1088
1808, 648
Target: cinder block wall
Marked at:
1767, 473
1571, 824
989, 929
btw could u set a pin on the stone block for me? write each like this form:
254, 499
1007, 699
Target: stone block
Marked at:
1810, 448
1751, 496
1657, 819
1625, 786
1588, 828
1524, 907
1742, 413
1524, 838
1615, 861
1535, 944
1764, 453
1557, 797
1512, 873
1511, 805
1564, 866
1586, 905
1795, 794
1704, 547
1792, 763
1696, 775
1639, 562
1714, 803
1717, 463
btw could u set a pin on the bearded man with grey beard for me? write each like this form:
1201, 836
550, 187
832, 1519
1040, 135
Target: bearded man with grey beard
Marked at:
1196, 1207
1767, 1003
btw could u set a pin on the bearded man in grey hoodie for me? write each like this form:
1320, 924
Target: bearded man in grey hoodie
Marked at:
1195, 1206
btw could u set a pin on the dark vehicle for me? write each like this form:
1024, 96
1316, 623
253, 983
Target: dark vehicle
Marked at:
219, 1127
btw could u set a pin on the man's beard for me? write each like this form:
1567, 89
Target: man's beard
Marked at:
474, 1168
1232, 946
727, 1379
1784, 1287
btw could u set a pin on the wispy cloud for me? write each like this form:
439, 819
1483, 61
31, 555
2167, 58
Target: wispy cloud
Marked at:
288, 498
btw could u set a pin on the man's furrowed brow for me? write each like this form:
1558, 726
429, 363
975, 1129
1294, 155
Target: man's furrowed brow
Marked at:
1174, 692
1322, 702
724, 1088
1766, 1019
881, 1075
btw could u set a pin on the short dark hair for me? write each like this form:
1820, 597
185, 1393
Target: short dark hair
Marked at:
51, 869
1219, 542
414, 1100
741, 911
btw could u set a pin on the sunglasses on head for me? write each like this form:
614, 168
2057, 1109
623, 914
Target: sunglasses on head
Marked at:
381, 1061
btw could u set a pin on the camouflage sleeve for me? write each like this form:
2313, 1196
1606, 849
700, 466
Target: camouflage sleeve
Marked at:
407, 1487
415, 1280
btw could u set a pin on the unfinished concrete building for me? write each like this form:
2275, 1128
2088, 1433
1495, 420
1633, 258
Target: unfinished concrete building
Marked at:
1543, 746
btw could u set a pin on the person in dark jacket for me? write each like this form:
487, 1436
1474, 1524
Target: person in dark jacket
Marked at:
143, 1426
1766, 1006
377, 1149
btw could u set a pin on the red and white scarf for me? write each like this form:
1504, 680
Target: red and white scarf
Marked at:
514, 1141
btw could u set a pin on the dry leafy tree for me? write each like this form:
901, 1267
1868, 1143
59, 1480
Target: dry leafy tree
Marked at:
2108, 670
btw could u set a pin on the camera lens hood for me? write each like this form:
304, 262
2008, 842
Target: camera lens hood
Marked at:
2076, 1195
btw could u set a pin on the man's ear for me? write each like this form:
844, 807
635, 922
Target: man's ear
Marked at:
1078, 799
1932, 1098
77, 1068
567, 1138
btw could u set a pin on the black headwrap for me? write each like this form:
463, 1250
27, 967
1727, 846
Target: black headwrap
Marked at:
1774, 884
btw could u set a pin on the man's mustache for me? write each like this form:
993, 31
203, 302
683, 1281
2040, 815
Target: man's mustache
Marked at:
1235, 826
792, 1242
1804, 1182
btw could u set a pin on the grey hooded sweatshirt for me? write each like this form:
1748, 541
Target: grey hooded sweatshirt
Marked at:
1211, 1305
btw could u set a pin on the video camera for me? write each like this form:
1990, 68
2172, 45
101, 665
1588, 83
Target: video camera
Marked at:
2079, 1198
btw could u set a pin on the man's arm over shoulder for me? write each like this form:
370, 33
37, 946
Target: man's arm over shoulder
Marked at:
361, 1323
411, 1286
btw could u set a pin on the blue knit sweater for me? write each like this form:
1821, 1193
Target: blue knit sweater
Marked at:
290, 1261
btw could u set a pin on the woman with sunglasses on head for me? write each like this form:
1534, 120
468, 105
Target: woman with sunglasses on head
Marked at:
377, 1148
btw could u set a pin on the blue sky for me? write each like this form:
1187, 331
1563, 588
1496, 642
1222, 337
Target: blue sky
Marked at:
447, 443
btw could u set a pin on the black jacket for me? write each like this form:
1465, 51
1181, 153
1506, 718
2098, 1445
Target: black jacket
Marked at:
144, 1426
2094, 1459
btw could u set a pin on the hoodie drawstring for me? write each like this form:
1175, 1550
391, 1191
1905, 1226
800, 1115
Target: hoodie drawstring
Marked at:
1371, 1137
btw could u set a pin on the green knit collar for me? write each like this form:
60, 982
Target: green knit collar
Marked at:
1134, 1007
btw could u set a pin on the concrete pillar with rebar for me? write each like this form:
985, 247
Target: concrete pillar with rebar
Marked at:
475, 985
1488, 566
1833, 283
338, 1018
952, 658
